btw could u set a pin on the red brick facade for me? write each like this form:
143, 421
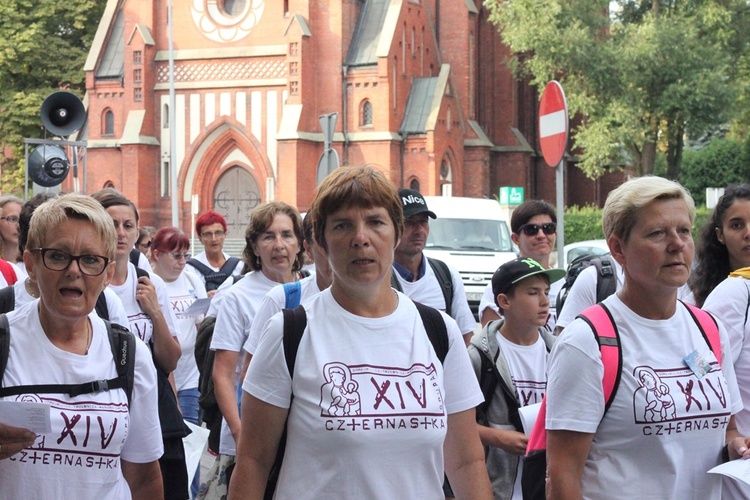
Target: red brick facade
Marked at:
251, 84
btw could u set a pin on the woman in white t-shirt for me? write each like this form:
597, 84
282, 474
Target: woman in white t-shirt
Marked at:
101, 445
375, 413
150, 317
631, 450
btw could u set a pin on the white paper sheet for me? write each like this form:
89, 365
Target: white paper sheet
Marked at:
31, 416
736, 469
528, 416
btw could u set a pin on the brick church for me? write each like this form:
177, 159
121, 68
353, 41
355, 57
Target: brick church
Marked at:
420, 89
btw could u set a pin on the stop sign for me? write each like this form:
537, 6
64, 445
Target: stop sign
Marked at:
553, 123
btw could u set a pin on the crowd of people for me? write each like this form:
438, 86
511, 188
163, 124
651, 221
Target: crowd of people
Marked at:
370, 377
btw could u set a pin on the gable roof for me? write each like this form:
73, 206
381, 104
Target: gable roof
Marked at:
112, 63
363, 50
419, 105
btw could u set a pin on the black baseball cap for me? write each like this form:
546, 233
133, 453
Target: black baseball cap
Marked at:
519, 269
414, 203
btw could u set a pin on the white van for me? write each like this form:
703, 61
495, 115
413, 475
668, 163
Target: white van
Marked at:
472, 235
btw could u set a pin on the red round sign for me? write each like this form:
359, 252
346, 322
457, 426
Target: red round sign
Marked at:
553, 123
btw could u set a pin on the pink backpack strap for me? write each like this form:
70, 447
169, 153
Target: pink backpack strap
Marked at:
605, 332
8, 272
538, 437
708, 327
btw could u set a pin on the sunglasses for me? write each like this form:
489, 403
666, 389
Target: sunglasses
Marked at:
533, 229
144, 245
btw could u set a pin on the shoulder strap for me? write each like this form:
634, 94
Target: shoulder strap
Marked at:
606, 279
122, 343
489, 378
135, 257
229, 265
101, 306
605, 332
295, 322
8, 272
141, 273
435, 328
708, 327
394, 281
293, 294
7, 299
200, 266
4, 344
443, 275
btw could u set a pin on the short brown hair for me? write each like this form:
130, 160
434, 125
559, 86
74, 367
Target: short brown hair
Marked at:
260, 220
348, 187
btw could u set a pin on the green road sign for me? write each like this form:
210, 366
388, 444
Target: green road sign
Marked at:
511, 195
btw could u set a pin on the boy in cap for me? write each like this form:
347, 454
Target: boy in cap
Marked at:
509, 357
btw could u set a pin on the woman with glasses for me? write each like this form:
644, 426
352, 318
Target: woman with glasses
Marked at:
150, 316
101, 444
169, 252
534, 231
213, 265
10, 209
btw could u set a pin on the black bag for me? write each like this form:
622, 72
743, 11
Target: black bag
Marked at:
606, 279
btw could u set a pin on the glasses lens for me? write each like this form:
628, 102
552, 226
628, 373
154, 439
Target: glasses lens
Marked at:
530, 229
533, 229
179, 256
145, 245
549, 228
11, 219
215, 234
93, 265
56, 260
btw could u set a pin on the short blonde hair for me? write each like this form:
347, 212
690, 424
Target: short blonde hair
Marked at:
74, 206
624, 203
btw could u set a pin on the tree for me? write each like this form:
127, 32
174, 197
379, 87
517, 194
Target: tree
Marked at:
640, 77
43, 46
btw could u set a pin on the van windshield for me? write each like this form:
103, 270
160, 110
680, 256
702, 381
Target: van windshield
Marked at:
469, 234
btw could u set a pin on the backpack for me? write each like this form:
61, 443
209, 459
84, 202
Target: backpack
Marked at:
204, 358
606, 277
215, 278
295, 322
122, 343
489, 377
443, 275
600, 320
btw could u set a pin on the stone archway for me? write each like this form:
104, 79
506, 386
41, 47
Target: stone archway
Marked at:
235, 195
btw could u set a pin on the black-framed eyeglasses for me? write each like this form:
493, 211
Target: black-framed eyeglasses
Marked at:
215, 234
178, 256
145, 245
533, 229
10, 219
59, 260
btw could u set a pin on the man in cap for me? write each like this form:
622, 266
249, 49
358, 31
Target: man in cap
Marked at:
436, 285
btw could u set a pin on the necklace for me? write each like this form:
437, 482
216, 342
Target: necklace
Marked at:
30, 288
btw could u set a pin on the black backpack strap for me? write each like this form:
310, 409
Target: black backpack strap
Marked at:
295, 322
395, 284
606, 278
229, 266
435, 328
443, 275
135, 257
122, 343
488, 380
200, 266
141, 273
7, 299
4, 344
101, 306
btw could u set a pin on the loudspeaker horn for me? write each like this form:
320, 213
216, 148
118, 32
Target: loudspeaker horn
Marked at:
63, 113
48, 165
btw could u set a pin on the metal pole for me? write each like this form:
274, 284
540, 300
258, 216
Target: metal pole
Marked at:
560, 214
172, 131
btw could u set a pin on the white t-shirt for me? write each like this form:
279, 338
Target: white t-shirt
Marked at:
427, 291
665, 427
80, 458
114, 304
233, 322
138, 321
182, 293
371, 400
273, 302
488, 301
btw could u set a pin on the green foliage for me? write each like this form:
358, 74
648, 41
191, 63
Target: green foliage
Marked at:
721, 162
585, 223
43, 46
642, 78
